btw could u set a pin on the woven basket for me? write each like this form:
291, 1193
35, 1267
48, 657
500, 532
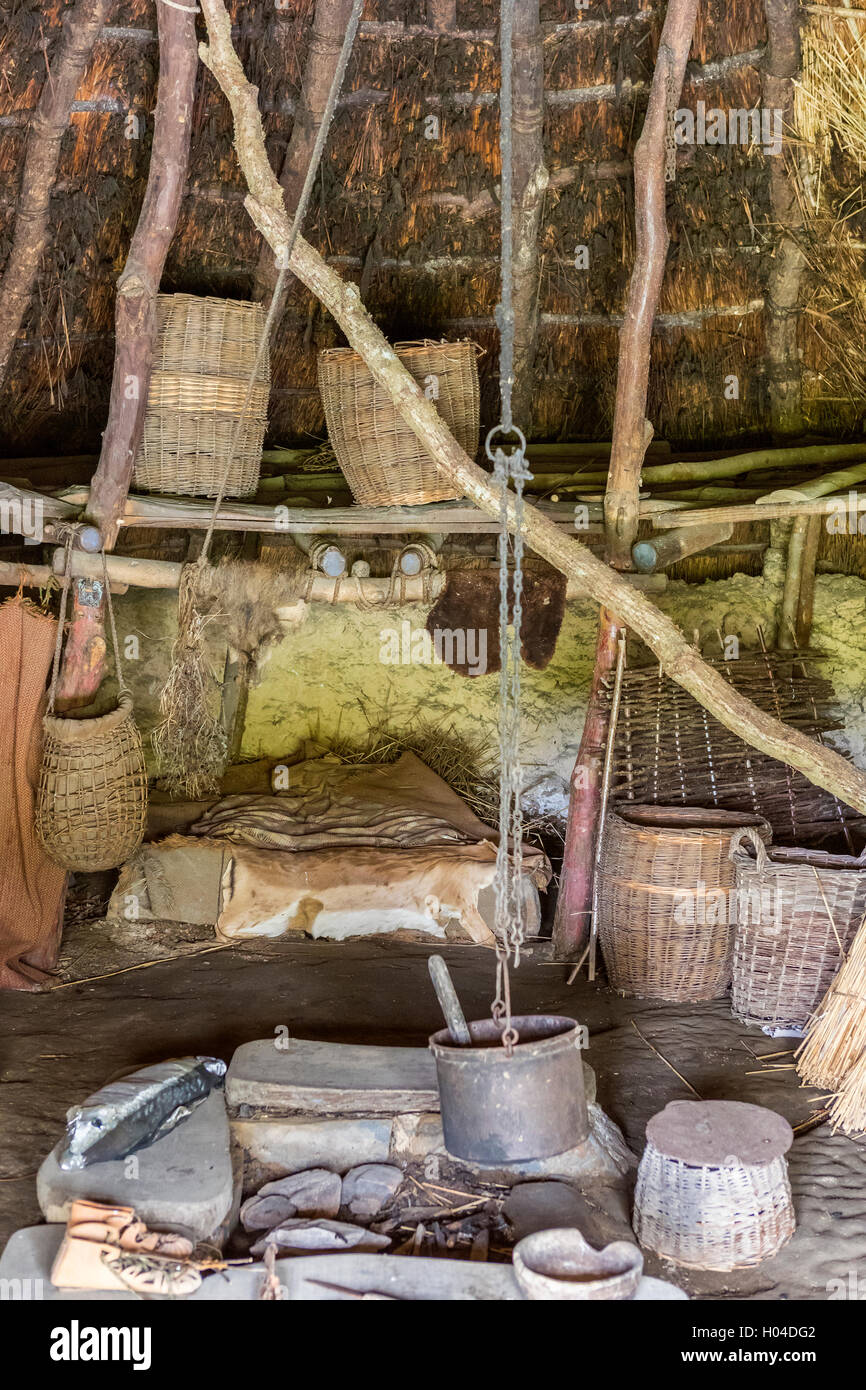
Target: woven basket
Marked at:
665, 915
92, 800
731, 1213
384, 463
204, 358
797, 913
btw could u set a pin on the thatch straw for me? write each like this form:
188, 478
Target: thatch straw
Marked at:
835, 1047
831, 98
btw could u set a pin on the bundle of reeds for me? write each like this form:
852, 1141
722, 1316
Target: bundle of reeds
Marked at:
834, 1053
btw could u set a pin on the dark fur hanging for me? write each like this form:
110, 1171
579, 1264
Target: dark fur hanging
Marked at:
470, 601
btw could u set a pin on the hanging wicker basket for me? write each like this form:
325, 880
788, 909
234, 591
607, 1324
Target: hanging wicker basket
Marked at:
665, 910
205, 355
92, 801
384, 463
797, 913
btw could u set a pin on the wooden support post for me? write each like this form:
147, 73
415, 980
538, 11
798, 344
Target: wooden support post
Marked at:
330, 22
811, 544
631, 430
530, 184
574, 903
824, 767
138, 284
81, 29
782, 308
136, 326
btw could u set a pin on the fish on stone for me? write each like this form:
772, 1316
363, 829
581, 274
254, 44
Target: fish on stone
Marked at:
135, 1111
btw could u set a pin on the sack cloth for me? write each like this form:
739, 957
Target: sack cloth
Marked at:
31, 885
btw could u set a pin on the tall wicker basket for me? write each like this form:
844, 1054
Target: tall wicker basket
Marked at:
384, 463
205, 356
92, 801
797, 913
665, 914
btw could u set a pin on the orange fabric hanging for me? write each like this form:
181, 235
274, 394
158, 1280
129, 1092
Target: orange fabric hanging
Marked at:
31, 886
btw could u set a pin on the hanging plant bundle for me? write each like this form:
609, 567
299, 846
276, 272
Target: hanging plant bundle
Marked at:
190, 744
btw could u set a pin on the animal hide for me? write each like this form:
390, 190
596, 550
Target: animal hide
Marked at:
469, 602
244, 597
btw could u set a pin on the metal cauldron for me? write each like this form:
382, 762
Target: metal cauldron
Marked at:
498, 1109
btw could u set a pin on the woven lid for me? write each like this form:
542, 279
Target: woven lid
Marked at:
719, 1133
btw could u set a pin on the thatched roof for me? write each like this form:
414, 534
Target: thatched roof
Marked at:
414, 220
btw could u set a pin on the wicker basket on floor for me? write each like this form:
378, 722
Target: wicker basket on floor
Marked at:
384, 462
712, 1187
665, 916
797, 913
92, 800
205, 355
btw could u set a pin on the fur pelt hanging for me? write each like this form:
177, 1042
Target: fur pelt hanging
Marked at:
470, 601
243, 596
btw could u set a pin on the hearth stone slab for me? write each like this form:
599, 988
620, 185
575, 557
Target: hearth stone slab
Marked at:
26, 1264
319, 1078
184, 1182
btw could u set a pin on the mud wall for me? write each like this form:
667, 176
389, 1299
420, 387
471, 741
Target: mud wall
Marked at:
329, 678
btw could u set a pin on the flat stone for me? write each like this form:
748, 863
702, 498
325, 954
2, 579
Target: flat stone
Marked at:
276, 1148
26, 1263
299, 1237
600, 1215
316, 1078
314, 1192
603, 1156
182, 1183
370, 1187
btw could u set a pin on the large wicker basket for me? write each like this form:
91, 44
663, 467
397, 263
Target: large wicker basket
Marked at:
92, 800
797, 913
665, 915
384, 463
204, 359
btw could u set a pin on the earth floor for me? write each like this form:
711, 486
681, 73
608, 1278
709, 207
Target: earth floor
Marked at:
176, 995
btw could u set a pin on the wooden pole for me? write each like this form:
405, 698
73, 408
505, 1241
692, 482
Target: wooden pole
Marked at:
657, 552
138, 284
530, 183
81, 28
680, 660
631, 430
803, 627
135, 338
330, 22
574, 901
784, 370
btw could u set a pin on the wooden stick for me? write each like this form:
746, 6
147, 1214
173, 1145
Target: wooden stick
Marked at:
807, 582
602, 809
137, 287
851, 507
681, 661
81, 29
631, 430
786, 639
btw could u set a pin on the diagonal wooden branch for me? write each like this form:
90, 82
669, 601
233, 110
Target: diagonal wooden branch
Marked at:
681, 661
632, 432
81, 29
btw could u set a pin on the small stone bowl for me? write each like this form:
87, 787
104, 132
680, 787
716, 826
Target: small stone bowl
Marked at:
560, 1264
